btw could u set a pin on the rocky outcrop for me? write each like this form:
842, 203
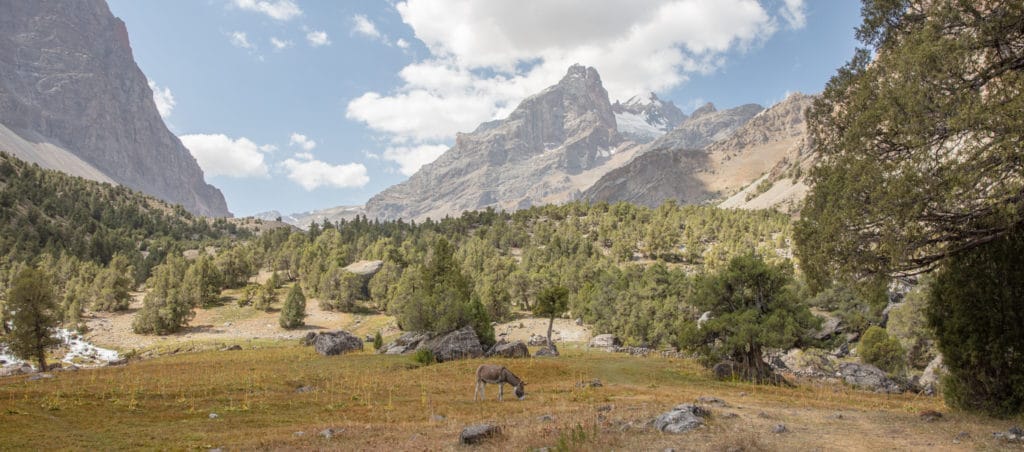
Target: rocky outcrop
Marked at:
475, 434
406, 343
869, 377
333, 342
68, 81
552, 145
462, 343
605, 341
681, 419
503, 349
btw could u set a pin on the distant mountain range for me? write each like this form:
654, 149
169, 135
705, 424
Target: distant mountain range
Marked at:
73, 99
569, 142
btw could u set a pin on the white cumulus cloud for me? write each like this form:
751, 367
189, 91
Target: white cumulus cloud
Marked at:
240, 39
163, 98
280, 44
220, 155
793, 12
364, 26
311, 174
402, 43
275, 9
302, 141
486, 56
318, 38
411, 159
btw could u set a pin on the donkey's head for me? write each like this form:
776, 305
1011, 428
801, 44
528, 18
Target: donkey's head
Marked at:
520, 390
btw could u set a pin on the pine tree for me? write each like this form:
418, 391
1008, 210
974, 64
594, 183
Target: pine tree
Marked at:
552, 301
294, 311
33, 312
166, 307
266, 296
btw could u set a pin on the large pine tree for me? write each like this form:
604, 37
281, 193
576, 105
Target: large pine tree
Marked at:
33, 312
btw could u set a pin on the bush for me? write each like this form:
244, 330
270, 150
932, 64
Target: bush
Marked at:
976, 311
378, 341
880, 350
908, 323
424, 356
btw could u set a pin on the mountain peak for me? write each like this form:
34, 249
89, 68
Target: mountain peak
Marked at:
643, 118
703, 110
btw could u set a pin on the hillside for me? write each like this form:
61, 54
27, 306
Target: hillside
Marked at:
73, 99
696, 164
48, 212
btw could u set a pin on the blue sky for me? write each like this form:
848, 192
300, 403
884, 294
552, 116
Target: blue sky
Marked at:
295, 105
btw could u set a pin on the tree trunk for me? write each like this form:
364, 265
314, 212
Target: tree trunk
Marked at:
550, 324
41, 358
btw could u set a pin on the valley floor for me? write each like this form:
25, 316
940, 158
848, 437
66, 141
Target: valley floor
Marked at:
263, 398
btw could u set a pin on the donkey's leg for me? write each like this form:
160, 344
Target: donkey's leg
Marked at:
476, 391
501, 391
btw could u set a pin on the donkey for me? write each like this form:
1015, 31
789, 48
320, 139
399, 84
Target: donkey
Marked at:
494, 374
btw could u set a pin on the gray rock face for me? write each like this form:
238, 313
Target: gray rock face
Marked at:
335, 343
405, 343
525, 159
868, 377
681, 419
605, 341
459, 344
515, 349
665, 169
478, 433
68, 77
551, 351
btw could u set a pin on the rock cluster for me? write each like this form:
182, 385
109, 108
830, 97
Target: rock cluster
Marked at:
459, 344
504, 349
332, 343
681, 419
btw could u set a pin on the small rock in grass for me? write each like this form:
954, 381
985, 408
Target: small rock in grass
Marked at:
605, 408
681, 419
707, 400
437, 418
304, 389
781, 428
39, 376
214, 415
329, 433
475, 434
546, 418
299, 433
930, 415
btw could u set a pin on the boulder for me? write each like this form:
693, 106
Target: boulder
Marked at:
462, 343
547, 351
830, 326
727, 370
335, 343
681, 419
869, 377
405, 343
15, 369
811, 362
475, 434
537, 340
515, 349
605, 341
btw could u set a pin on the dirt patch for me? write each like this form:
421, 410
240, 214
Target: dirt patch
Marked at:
564, 330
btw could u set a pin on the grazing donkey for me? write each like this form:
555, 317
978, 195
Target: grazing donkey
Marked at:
494, 374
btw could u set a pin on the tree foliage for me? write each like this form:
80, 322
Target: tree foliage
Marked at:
752, 306
293, 313
167, 306
920, 140
552, 301
976, 310
877, 348
32, 310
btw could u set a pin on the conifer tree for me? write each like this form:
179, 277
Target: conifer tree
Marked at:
33, 312
293, 313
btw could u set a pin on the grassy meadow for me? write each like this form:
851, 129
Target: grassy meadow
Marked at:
390, 403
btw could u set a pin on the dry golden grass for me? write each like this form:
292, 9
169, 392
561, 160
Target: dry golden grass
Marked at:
388, 403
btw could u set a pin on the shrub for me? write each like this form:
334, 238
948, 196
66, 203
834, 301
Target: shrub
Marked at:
424, 356
880, 350
293, 313
378, 341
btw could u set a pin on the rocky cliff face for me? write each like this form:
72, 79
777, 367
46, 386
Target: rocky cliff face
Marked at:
554, 144
645, 118
68, 78
667, 168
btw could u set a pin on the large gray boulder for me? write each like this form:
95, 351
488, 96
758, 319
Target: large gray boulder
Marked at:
811, 362
475, 434
515, 349
406, 343
462, 343
681, 419
605, 341
335, 343
869, 377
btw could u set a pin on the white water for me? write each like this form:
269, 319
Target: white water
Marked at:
87, 354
